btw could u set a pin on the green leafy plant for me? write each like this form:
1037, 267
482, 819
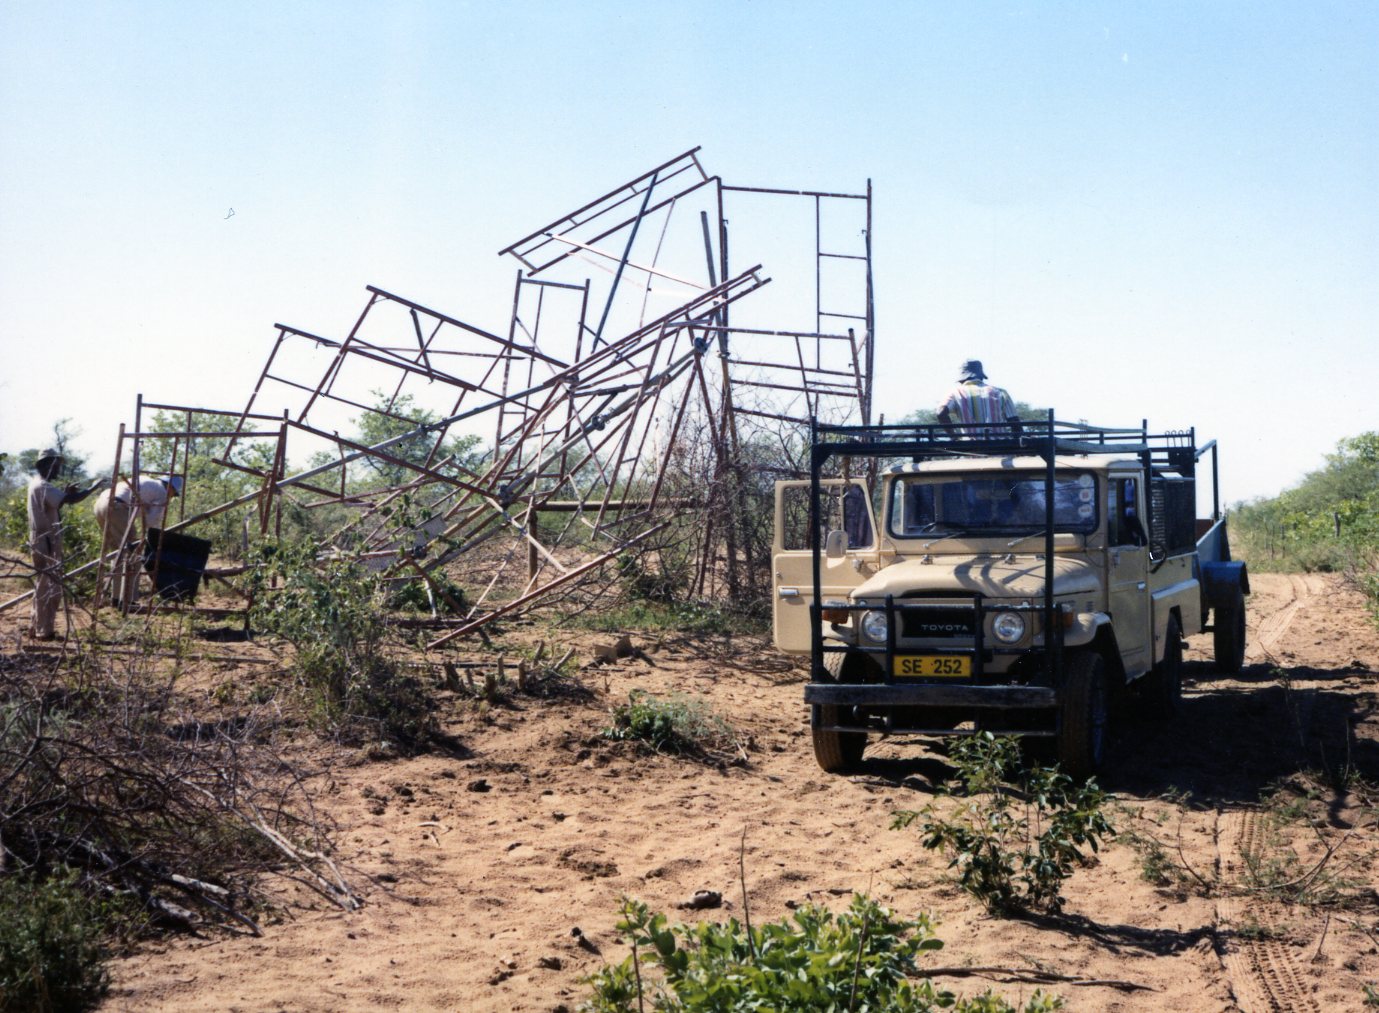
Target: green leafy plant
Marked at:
1020, 831
52, 950
674, 724
1156, 865
440, 594
863, 958
331, 612
1256, 931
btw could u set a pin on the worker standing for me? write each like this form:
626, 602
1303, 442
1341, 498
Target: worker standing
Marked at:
974, 400
117, 513
45, 502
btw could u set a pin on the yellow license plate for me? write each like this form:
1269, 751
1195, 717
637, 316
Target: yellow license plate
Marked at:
933, 666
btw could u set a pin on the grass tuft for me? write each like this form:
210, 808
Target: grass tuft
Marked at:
672, 724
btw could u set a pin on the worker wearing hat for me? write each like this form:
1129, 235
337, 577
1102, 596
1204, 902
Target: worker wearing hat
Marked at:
117, 513
974, 401
46, 500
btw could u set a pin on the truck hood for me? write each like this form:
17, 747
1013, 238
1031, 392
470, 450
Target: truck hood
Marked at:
991, 577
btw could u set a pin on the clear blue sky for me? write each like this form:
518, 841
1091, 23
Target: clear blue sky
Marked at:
1126, 209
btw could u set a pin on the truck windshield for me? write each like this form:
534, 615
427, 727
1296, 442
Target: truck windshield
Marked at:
985, 503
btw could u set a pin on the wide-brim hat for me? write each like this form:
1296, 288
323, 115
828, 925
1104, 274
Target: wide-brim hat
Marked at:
971, 370
48, 455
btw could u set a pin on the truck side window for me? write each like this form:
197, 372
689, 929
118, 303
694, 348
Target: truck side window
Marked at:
847, 510
856, 518
1122, 512
794, 532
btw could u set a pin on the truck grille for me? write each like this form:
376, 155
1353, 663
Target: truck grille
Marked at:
939, 622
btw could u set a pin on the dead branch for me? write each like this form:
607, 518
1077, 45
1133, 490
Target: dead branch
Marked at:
1032, 976
104, 777
1187, 866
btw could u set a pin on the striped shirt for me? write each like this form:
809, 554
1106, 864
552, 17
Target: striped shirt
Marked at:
973, 401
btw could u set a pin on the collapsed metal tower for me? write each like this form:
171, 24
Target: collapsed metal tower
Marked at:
603, 385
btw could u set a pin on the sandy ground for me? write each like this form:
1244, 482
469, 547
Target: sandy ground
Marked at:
491, 879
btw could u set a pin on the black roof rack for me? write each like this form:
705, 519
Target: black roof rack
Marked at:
1173, 450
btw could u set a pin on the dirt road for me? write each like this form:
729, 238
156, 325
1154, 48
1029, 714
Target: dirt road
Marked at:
492, 879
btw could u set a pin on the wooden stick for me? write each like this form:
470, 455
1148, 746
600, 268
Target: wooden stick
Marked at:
742, 875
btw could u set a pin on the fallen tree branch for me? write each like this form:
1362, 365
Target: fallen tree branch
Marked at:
1033, 976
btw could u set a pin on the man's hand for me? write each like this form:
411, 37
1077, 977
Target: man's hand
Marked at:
76, 495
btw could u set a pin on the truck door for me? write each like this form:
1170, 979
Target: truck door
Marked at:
1127, 566
847, 508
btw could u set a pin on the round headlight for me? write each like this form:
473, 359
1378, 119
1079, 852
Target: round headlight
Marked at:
874, 626
1008, 627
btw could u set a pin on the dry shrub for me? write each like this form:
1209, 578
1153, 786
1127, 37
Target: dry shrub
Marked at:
102, 774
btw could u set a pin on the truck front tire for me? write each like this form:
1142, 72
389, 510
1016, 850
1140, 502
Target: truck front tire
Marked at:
1082, 715
836, 752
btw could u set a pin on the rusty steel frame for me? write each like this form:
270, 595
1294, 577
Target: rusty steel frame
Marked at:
583, 424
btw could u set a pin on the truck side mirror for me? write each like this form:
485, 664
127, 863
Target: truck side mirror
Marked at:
836, 543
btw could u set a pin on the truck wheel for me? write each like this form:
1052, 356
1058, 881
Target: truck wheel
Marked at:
1228, 634
835, 752
1163, 687
1082, 715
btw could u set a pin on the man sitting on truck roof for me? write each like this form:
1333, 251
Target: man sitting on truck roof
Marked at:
974, 400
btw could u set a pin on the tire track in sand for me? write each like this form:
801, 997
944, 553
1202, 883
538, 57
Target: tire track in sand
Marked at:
1261, 971
1271, 628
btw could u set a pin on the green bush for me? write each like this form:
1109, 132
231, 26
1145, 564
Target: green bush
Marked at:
416, 596
675, 724
331, 611
52, 954
861, 959
1021, 830
1298, 529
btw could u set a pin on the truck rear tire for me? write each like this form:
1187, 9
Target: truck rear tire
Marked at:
836, 752
1082, 715
1228, 634
1163, 687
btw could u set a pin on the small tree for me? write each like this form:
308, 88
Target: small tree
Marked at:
863, 958
1021, 830
52, 945
392, 417
331, 611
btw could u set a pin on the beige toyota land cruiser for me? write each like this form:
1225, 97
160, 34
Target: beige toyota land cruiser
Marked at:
1011, 581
